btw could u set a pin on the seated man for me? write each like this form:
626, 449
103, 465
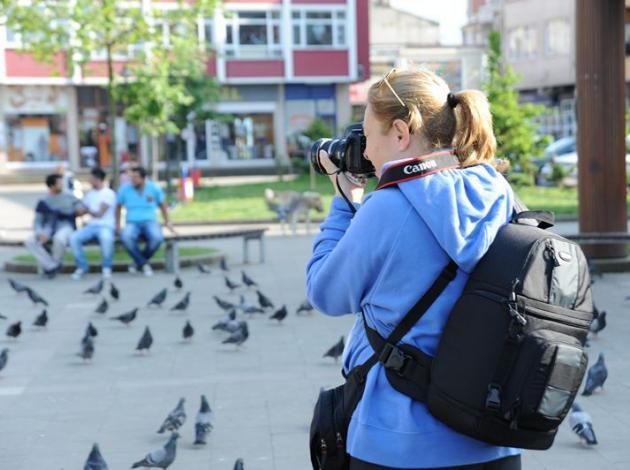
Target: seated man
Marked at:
141, 197
100, 203
54, 222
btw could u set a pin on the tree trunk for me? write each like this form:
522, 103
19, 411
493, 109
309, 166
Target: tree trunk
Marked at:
112, 119
154, 158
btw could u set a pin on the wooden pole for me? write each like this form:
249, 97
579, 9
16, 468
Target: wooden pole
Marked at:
600, 81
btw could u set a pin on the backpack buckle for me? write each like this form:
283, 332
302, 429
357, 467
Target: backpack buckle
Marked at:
493, 398
393, 358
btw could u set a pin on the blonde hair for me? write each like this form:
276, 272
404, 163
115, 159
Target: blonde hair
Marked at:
424, 101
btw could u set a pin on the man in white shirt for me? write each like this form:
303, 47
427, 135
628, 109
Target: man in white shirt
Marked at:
100, 203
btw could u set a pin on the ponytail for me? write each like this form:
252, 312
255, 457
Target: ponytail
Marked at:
474, 140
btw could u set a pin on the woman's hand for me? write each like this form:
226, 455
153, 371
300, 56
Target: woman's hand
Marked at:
352, 186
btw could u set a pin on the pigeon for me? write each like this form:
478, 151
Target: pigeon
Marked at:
249, 308
4, 357
95, 289
225, 321
14, 330
91, 330
224, 304
239, 464
102, 307
95, 460
305, 307
87, 348
596, 376
264, 300
280, 314
175, 418
3, 317
114, 292
204, 422
239, 336
580, 422
231, 285
158, 298
127, 317
35, 297
248, 281
188, 331
162, 457
42, 319
224, 265
204, 268
17, 286
182, 304
598, 323
178, 283
146, 340
335, 351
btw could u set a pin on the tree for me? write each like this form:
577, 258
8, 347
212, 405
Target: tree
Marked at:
514, 123
83, 29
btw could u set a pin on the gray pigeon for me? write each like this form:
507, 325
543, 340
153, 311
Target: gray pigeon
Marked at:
204, 422
175, 418
113, 291
224, 265
182, 305
35, 297
95, 460
248, 281
42, 319
239, 465
188, 331
4, 357
249, 308
280, 314
204, 268
239, 336
162, 457
87, 348
230, 284
3, 317
95, 289
224, 304
102, 307
599, 323
14, 330
263, 300
305, 307
91, 330
335, 351
581, 423
18, 286
146, 341
158, 299
178, 283
596, 376
223, 323
127, 317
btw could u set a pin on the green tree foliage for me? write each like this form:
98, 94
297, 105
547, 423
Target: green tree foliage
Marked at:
318, 130
514, 123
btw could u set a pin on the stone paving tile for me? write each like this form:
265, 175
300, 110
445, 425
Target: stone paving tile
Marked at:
53, 406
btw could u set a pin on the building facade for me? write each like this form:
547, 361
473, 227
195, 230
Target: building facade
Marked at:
281, 64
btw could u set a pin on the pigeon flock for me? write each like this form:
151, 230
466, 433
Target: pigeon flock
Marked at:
234, 326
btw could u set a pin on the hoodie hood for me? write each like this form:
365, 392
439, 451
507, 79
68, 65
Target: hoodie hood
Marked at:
463, 208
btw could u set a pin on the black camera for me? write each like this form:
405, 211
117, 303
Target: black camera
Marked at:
346, 153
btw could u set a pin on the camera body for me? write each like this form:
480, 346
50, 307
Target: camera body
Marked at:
346, 153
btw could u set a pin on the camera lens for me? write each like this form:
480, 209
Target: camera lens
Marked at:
333, 147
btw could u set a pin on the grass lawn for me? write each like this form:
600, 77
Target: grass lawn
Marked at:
247, 202
93, 255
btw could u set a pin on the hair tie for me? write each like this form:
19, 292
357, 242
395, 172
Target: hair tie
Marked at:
452, 100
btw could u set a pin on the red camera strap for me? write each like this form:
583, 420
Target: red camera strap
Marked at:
418, 167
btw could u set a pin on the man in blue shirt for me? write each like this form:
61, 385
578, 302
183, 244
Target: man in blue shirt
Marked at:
141, 197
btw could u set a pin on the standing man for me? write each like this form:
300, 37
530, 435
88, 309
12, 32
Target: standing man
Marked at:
141, 197
100, 203
54, 222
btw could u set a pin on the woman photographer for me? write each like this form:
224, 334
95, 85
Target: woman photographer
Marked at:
382, 259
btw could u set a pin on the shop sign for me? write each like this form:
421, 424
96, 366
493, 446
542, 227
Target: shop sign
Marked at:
30, 99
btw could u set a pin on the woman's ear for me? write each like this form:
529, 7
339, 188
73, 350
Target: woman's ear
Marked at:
401, 133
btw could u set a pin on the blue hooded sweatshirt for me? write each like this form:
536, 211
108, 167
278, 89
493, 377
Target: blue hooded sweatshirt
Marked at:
381, 261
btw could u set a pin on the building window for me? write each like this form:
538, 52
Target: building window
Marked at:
36, 138
246, 137
253, 35
558, 37
208, 26
319, 29
522, 43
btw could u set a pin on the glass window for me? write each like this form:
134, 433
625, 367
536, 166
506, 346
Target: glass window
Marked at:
522, 43
36, 138
247, 137
297, 40
318, 15
252, 15
319, 29
208, 32
558, 37
250, 35
228, 35
319, 35
253, 35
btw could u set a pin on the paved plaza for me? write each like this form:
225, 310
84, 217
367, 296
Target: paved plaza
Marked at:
53, 407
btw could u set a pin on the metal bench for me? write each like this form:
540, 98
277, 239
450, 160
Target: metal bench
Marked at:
171, 244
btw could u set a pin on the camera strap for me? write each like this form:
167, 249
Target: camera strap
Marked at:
418, 167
